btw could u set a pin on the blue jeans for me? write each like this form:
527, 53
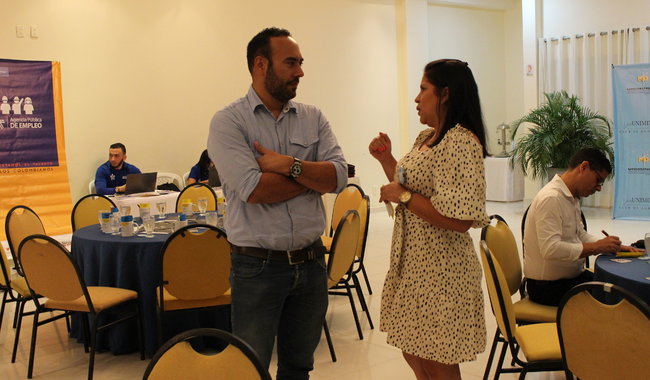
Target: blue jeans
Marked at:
272, 298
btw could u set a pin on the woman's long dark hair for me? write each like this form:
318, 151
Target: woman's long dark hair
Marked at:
463, 104
204, 163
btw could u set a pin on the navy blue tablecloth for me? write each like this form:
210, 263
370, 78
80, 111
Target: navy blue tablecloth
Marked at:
134, 263
630, 276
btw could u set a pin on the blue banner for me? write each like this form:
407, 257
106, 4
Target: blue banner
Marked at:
632, 141
27, 125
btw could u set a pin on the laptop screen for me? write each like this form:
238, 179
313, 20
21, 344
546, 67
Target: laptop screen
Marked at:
140, 183
213, 180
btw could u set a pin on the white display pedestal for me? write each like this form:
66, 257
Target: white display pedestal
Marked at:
503, 183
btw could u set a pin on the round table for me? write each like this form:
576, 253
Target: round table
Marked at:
633, 276
134, 263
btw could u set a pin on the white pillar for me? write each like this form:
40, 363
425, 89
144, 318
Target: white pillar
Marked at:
413, 54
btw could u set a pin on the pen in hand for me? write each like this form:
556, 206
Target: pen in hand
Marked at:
604, 233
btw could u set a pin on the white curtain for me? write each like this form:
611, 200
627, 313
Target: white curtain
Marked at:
581, 65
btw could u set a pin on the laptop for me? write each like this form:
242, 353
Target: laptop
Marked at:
140, 183
213, 179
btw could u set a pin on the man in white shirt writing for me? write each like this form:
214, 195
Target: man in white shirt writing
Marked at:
556, 244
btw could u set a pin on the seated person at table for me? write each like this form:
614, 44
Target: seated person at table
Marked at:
200, 171
556, 244
111, 176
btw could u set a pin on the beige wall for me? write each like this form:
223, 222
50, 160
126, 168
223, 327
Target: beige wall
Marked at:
476, 36
566, 17
151, 73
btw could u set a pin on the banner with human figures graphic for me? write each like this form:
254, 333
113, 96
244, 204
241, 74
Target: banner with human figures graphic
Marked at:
33, 166
632, 141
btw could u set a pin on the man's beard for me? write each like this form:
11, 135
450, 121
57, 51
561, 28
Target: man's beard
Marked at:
118, 165
277, 88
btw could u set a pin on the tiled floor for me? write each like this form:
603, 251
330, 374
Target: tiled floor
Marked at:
58, 357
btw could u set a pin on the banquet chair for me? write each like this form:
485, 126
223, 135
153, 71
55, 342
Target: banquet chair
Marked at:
339, 266
176, 359
502, 244
194, 271
21, 222
186, 176
174, 178
21, 296
91, 187
51, 271
86, 210
349, 199
601, 341
194, 192
538, 342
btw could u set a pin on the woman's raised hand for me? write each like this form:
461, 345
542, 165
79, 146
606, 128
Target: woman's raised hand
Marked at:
380, 147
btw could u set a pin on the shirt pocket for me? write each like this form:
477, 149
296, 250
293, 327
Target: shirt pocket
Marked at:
304, 147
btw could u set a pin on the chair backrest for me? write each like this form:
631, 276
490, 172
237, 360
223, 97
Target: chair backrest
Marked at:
91, 187
348, 199
21, 222
50, 270
176, 359
194, 192
364, 222
344, 247
186, 176
601, 341
174, 178
503, 246
195, 263
5, 272
85, 211
502, 306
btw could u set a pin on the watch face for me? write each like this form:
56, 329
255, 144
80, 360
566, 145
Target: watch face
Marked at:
296, 169
405, 197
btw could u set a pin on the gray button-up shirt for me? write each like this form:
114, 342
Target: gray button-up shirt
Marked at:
300, 131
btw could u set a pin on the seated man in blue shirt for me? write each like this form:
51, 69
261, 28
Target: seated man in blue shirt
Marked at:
111, 176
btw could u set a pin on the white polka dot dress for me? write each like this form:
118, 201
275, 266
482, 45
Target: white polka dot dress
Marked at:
432, 301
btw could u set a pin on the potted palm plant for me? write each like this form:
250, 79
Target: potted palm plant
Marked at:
560, 128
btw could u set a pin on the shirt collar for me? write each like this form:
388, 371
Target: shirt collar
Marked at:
557, 181
256, 102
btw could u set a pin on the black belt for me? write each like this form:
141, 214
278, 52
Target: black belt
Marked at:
295, 256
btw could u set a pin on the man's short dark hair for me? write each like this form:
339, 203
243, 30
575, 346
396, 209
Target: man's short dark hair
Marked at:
596, 159
261, 44
119, 146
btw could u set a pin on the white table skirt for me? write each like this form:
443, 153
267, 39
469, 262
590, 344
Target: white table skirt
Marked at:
503, 183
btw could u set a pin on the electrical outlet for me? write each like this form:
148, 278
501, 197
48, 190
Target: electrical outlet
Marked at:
20, 31
34, 31
375, 190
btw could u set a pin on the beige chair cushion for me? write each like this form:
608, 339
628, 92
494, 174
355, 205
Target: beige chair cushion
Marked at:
100, 296
182, 362
539, 342
173, 303
527, 310
20, 285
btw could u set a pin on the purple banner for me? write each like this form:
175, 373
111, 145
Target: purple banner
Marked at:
27, 125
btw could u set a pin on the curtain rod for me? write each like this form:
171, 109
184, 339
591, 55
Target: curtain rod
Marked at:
615, 31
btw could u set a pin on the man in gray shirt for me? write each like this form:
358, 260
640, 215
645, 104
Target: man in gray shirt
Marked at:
276, 157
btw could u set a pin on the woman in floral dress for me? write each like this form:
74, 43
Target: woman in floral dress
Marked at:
432, 302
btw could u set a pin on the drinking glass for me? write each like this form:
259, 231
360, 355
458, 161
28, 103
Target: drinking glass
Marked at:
161, 209
647, 244
99, 215
115, 224
211, 218
203, 205
125, 210
149, 224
